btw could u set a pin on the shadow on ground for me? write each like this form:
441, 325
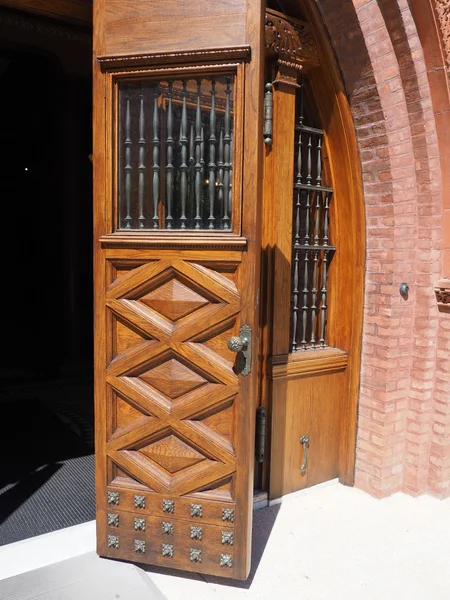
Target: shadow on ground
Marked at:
263, 522
47, 481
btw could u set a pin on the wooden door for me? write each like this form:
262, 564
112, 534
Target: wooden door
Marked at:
177, 234
313, 240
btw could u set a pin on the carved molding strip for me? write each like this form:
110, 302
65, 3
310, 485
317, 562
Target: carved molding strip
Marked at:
38, 26
442, 291
169, 58
292, 42
309, 362
135, 240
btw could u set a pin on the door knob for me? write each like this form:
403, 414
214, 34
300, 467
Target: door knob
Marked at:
243, 344
235, 344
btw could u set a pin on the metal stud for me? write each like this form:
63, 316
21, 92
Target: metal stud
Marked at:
113, 520
167, 528
167, 550
139, 501
113, 498
113, 541
139, 524
168, 506
226, 560
228, 514
139, 546
196, 533
195, 555
227, 538
196, 510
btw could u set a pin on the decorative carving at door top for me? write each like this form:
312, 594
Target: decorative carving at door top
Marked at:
40, 26
292, 39
443, 12
292, 42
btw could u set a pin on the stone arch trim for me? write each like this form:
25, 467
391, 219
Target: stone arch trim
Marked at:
432, 19
384, 72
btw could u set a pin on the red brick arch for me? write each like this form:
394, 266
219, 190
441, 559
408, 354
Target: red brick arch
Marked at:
403, 414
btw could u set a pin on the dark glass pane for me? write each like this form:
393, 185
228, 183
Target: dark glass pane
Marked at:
175, 152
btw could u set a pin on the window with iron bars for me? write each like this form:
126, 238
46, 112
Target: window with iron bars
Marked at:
312, 250
175, 153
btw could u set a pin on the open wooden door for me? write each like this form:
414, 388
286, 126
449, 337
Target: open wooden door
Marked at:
314, 252
177, 245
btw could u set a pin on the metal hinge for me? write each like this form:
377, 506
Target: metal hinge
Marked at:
268, 115
260, 438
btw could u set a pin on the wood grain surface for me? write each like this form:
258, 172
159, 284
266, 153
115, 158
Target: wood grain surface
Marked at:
175, 418
139, 26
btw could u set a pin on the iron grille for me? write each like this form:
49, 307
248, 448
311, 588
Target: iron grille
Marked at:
175, 152
312, 251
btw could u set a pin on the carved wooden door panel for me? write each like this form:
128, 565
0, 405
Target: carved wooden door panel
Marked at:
177, 278
171, 449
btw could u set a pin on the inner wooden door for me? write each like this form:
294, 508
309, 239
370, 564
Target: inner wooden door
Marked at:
313, 241
176, 306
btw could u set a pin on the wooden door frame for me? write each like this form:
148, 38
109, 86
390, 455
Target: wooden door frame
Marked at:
349, 218
345, 162
334, 108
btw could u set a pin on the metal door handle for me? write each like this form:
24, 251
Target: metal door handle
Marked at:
304, 440
243, 344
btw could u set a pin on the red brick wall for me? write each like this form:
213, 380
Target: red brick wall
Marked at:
432, 15
404, 408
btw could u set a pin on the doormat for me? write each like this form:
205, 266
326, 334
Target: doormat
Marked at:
46, 471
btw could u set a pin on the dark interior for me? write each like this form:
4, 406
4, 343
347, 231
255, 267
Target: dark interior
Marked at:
46, 394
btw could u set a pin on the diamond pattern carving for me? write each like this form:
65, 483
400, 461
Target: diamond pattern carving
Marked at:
161, 375
174, 300
172, 454
173, 379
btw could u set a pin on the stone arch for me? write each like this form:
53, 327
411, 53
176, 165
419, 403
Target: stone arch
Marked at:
432, 20
382, 63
